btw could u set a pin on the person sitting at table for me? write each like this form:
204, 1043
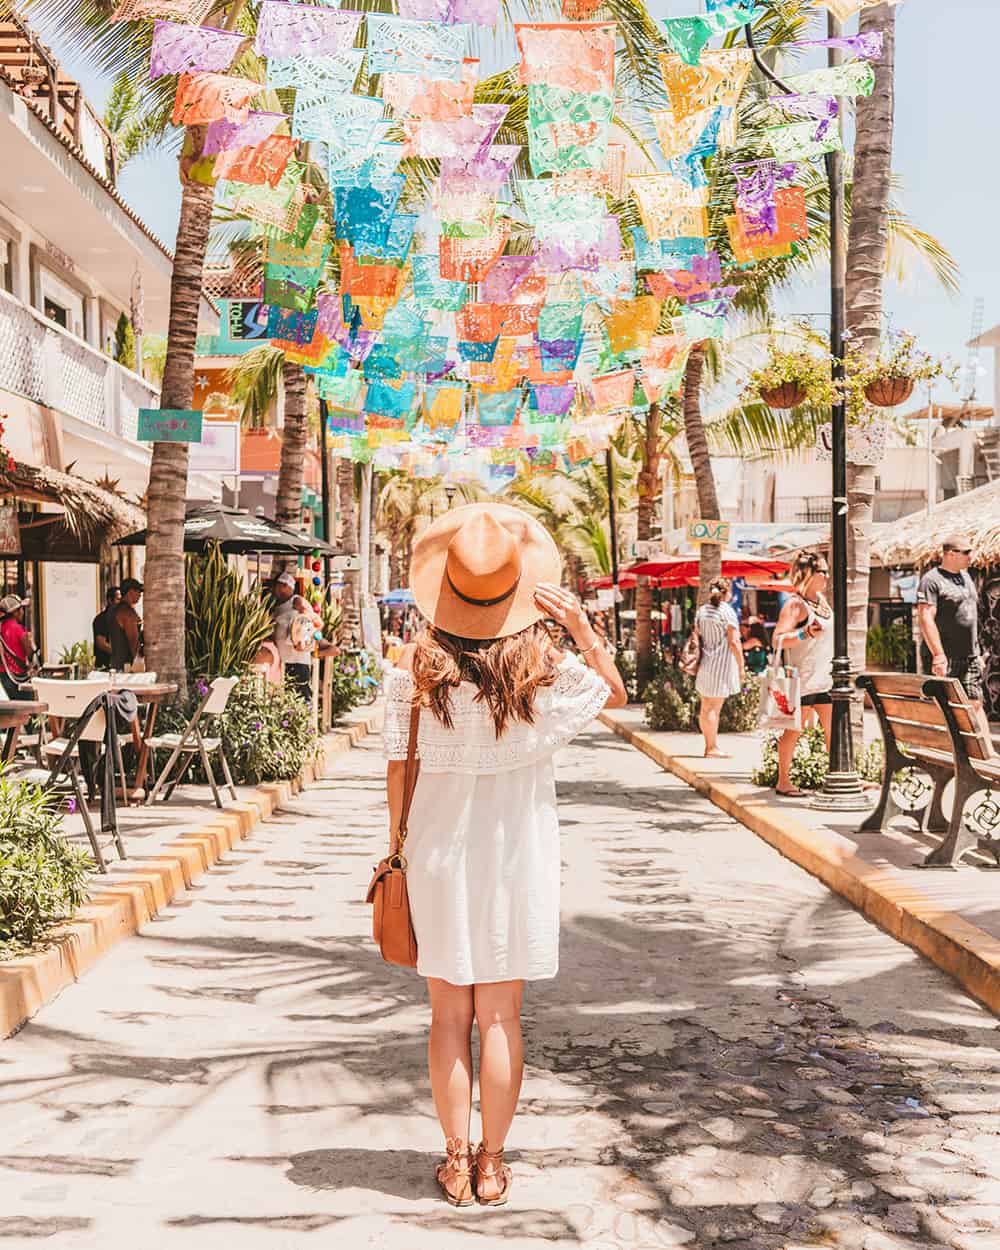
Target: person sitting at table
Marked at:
17, 648
101, 628
126, 627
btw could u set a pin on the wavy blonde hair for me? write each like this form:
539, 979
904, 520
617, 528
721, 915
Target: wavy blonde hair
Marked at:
508, 672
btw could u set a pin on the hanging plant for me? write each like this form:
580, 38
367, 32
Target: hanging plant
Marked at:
790, 379
887, 380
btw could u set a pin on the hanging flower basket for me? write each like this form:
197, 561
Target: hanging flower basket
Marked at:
888, 391
787, 395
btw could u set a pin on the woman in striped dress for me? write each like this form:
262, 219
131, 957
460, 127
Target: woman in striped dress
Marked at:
721, 671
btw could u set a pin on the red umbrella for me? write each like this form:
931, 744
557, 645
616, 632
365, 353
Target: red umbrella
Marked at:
626, 581
675, 570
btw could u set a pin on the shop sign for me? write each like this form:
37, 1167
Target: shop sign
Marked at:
169, 425
709, 532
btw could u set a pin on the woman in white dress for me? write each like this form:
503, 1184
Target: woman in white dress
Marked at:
720, 670
482, 849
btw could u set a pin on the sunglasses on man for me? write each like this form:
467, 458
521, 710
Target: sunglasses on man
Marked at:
961, 551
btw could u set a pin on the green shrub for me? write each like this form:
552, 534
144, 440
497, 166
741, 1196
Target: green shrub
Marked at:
810, 763
224, 624
891, 647
81, 655
666, 708
625, 663
673, 703
43, 878
266, 731
871, 761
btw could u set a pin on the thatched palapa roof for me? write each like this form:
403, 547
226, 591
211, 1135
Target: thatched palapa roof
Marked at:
917, 539
91, 514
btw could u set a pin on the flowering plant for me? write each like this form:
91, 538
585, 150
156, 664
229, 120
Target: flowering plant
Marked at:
6, 459
802, 375
888, 378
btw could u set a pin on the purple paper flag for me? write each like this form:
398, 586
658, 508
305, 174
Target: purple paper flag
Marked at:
182, 49
498, 285
451, 12
224, 134
487, 170
755, 195
867, 46
291, 29
553, 401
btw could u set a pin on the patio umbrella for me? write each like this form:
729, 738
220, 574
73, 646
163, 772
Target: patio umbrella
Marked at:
676, 570
402, 595
236, 531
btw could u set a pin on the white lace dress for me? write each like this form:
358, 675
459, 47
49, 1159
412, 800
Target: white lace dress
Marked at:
483, 846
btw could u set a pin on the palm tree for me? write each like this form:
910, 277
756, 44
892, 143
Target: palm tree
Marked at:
866, 264
294, 440
347, 541
646, 485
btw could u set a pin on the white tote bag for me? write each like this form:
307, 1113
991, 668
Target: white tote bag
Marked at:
780, 698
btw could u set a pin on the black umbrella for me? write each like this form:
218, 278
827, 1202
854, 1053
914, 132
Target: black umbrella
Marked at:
236, 531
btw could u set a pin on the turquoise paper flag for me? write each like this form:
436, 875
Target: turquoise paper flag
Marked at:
498, 408
433, 291
689, 35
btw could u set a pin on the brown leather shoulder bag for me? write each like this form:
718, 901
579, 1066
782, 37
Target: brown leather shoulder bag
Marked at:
392, 926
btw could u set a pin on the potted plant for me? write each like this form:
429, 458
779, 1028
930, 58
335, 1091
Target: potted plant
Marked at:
888, 380
790, 379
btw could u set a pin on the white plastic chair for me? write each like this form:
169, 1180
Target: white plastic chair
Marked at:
68, 700
190, 743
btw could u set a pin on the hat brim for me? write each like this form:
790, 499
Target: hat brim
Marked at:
438, 602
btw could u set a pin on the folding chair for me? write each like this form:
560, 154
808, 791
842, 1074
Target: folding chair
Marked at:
187, 746
67, 701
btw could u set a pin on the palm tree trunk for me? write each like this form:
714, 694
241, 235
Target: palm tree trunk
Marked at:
866, 258
701, 462
350, 621
294, 437
648, 476
164, 596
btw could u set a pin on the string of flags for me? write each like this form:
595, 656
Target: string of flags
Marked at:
484, 283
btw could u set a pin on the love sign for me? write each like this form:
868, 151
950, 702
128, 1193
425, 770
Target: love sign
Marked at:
709, 532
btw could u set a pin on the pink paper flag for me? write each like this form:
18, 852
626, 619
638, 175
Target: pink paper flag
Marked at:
460, 136
180, 49
203, 98
579, 56
438, 99
450, 12
500, 283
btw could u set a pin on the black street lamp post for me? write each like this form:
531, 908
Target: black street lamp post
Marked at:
843, 790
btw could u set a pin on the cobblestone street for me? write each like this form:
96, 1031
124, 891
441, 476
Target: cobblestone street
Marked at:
730, 1055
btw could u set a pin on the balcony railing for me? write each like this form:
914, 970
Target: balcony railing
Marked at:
47, 364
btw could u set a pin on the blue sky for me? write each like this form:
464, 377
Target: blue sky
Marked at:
946, 59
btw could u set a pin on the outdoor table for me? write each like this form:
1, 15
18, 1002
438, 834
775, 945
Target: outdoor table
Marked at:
150, 695
14, 715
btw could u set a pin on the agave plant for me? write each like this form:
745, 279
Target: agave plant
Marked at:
224, 623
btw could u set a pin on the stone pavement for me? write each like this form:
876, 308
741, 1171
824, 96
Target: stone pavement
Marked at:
730, 1055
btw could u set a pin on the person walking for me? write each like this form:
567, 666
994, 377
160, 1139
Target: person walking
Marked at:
948, 613
753, 637
804, 631
496, 700
101, 628
720, 669
295, 634
17, 648
126, 627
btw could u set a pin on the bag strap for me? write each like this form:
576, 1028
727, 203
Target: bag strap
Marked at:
410, 774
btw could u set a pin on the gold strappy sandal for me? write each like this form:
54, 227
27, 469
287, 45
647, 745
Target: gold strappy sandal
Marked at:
454, 1176
490, 1166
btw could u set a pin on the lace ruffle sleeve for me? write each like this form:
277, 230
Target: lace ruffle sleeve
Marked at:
576, 698
396, 725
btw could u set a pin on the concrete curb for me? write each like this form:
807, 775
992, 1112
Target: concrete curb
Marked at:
127, 902
965, 952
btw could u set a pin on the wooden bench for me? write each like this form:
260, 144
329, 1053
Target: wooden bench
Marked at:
929, 723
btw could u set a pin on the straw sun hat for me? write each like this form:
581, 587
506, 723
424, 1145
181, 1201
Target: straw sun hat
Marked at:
474, 570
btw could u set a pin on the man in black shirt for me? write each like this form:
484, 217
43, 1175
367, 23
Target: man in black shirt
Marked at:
948, 611
102, 629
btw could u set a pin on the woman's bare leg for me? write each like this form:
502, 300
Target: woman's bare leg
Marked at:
708, 723
449, 1055
825, 713
501, 1063
786, 749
